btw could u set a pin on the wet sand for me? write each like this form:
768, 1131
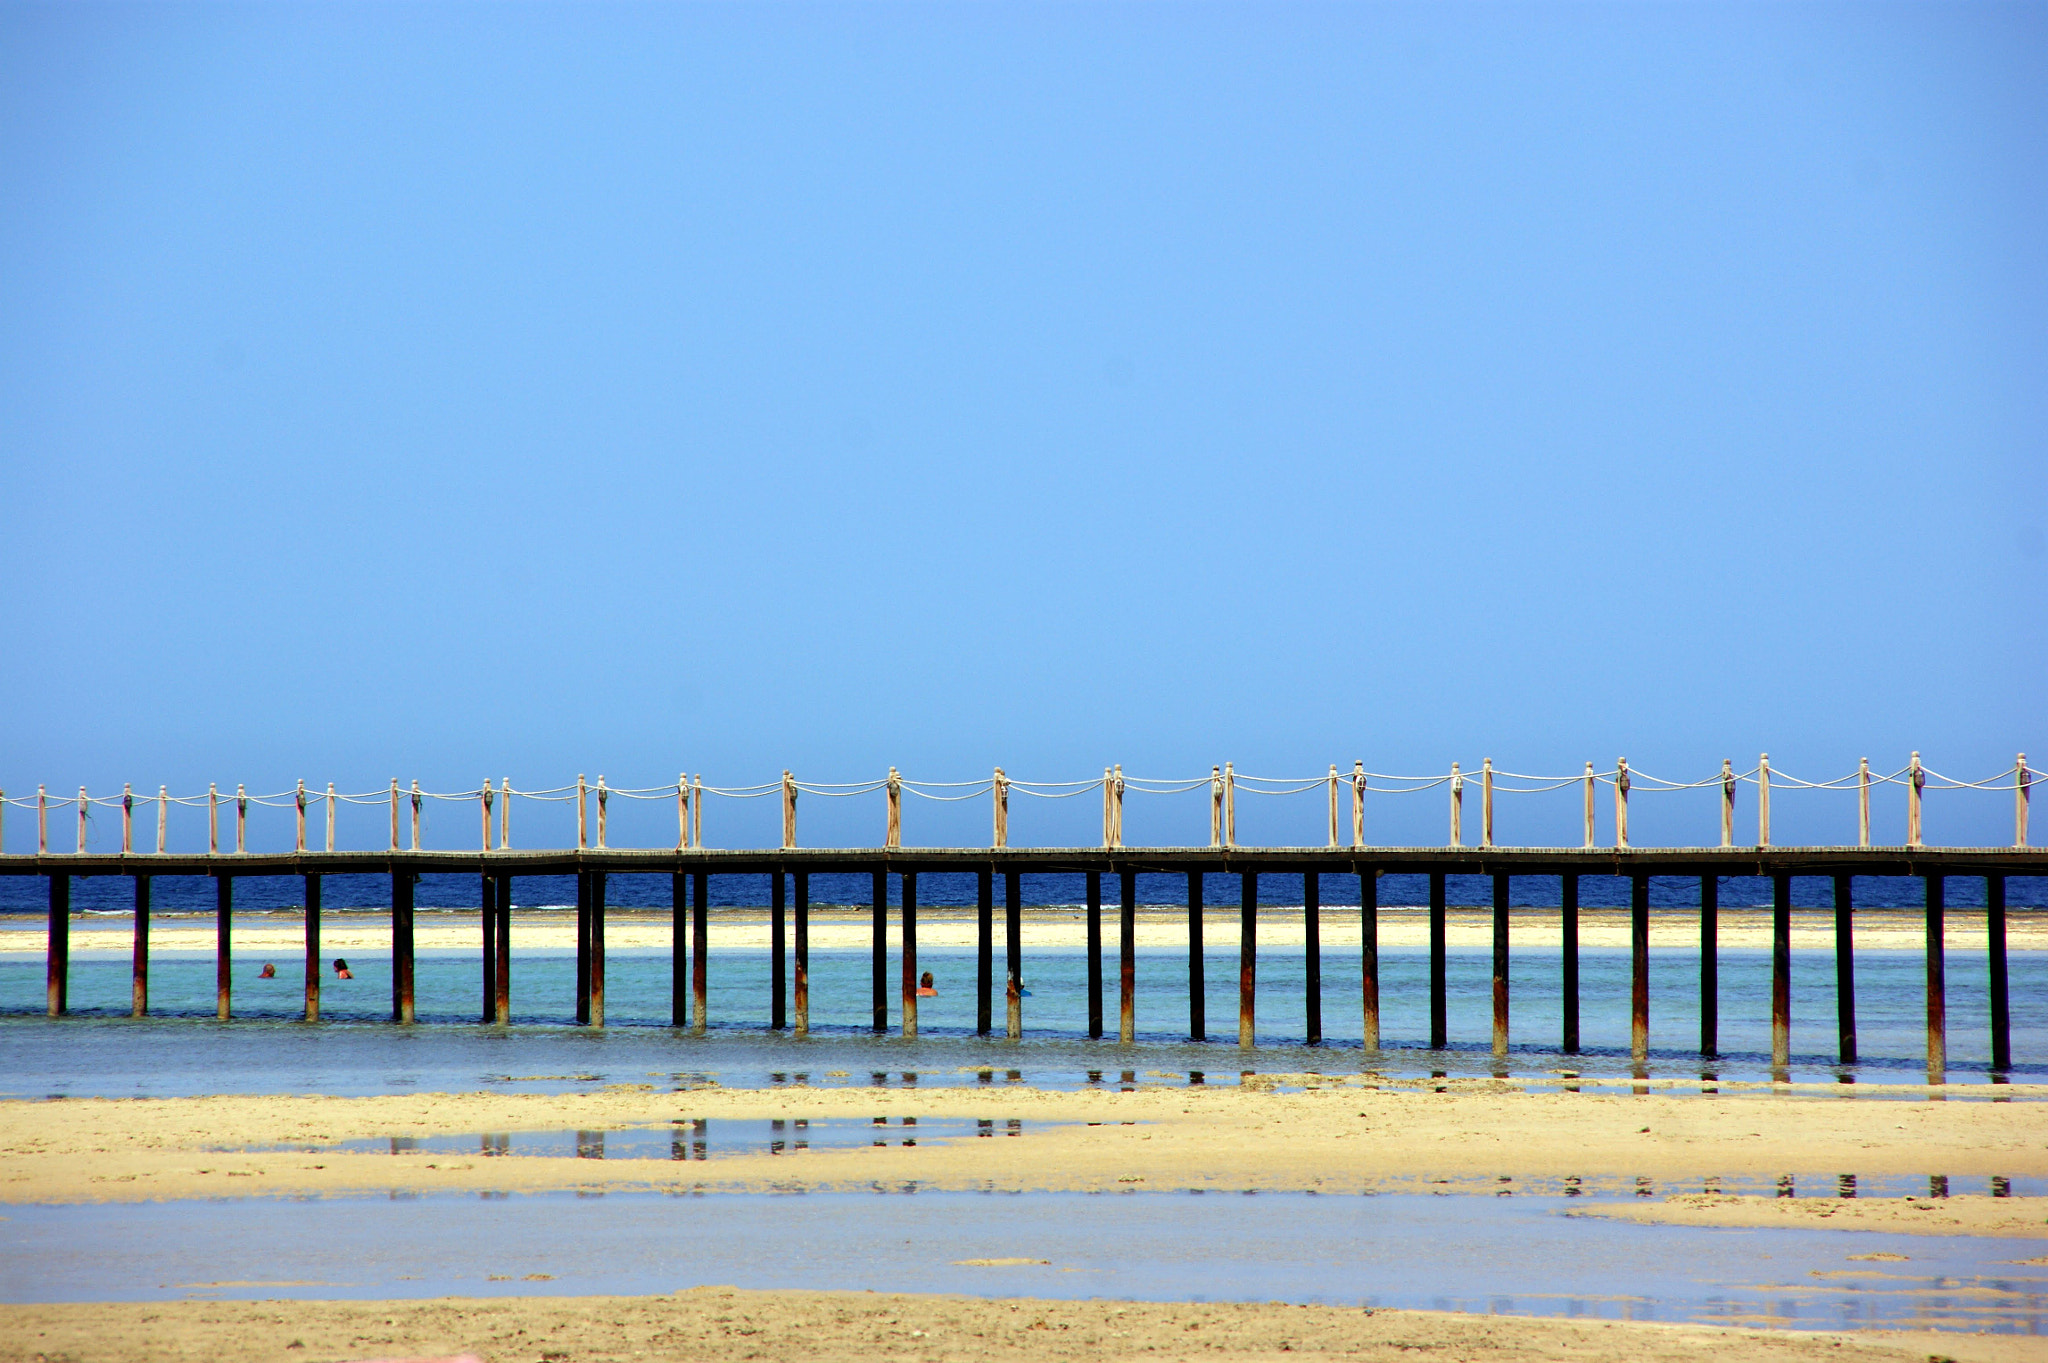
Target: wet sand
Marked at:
1341, 1136
716, 1323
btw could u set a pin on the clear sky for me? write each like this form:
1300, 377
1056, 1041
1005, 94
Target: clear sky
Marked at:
451, 391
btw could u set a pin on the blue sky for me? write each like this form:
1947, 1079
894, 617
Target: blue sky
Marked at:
442, 391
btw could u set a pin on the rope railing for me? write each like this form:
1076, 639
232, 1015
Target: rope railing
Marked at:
408, 804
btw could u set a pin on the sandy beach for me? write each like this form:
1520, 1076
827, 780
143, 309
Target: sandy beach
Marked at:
722, 1323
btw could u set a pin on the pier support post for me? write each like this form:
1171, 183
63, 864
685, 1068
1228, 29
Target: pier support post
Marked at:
402, 883
1312, 937
1127, 956
2001, 1001
984, 950
597, 896
700, 949
57, 957
1845, 970
1198, 1013
802, 913
313, 887
1094, 955
582, 948
909, 881
223, 945
1937, 986
1568, 924
1781, 974
138, 988
1710, 965
1247, 952
1439, 1016
1500, 965
778, 944
1013, 938
679, 949
878, 951
501, 1001
1369, 953
1639, 969
487, 917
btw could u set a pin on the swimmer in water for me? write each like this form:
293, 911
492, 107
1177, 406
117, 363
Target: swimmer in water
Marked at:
341, 971
925, 989
269, 972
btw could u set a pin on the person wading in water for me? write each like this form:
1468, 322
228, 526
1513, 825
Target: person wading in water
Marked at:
341, 971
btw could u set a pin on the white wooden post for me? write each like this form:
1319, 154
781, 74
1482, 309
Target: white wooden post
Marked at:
1357, 803
1916, 781
1117, 824
1108, 795
163, 816
1457, 806
1727, 803
1621, 802
415, 815
2022, 792
213, 819
582, 813
299, 816
83, 804
697, 811
484, 801
330, 816
683, 810
1215, 806
1229, 805
1001, 791
1863, 802
127, 817
788, 809
603, 795
505, 815
1333, 804
394, 813
241, 818
1591, 781
42, 821
894, 790
1763, 800
1486, 802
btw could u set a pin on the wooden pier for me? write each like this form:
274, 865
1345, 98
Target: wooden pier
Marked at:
790, 869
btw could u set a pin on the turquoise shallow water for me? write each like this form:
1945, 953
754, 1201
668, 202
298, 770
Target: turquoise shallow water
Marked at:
1522, 1255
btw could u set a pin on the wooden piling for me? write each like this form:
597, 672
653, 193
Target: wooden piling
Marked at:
1312, 947
700, 953
1937, 986
1369, 954
402, 885
138, 989
582, 813
394, 812
1333, 804
163, 817
213, 818
298, 819
801, 911
241, 819
1198, 1020
1439, 981
683, 810
1229, 805
778, 955
487, 916
43, 822
501, 1001
1013, 930
1094, 927
83, 806
415, 817
1845, 970
313, 888
223, 945
57, 946
697, 811
1500, 964
597, 900
1568, 924
1710, 965
2001, 1001
1639, 969
984, 950
329, 813
1781, 974
1215, 806
1013, 999
788, 809
878, 963
1247, 952
484, 799
582, 948
679, 949
1127, 957
909, 955
128, 817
